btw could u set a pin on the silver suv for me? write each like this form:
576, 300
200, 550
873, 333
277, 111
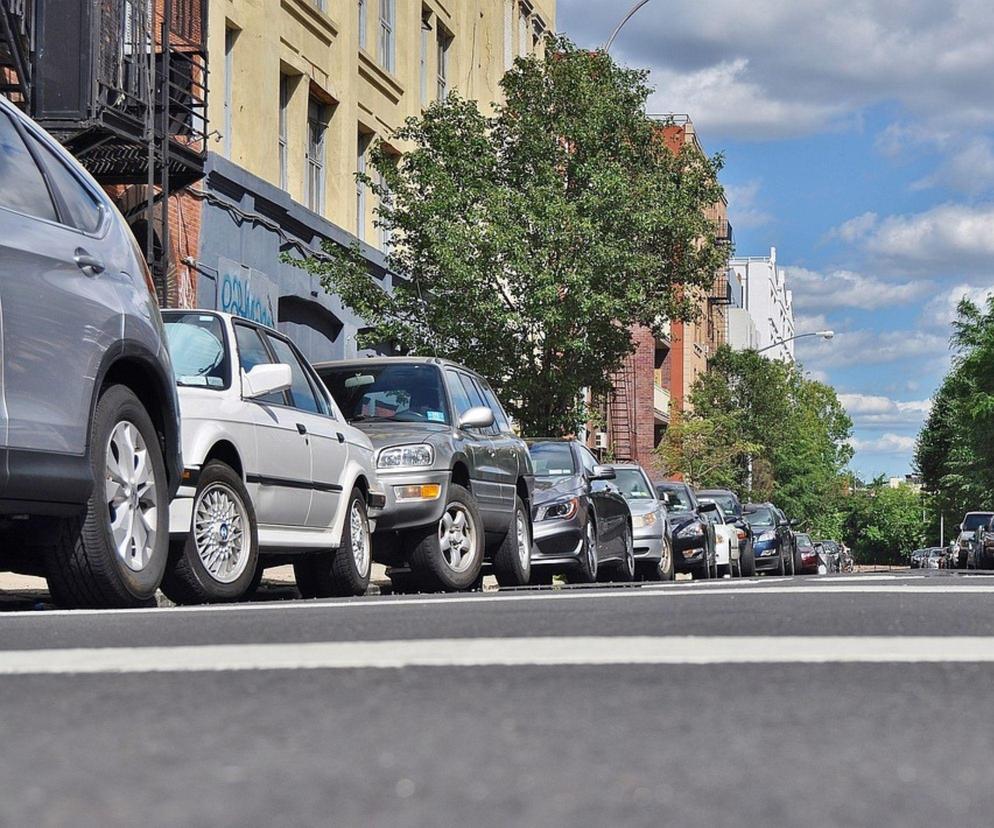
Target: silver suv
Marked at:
89, 424
458, 482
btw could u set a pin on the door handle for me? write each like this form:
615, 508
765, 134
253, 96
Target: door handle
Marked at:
340, 436
89, 264
301, 428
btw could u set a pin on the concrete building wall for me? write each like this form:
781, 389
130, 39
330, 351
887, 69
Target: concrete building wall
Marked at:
768, 301
742, 332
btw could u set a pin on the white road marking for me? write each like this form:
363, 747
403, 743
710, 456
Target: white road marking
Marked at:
657, 591
503, 652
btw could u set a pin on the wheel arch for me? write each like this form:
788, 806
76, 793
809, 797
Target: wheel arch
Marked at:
226, 451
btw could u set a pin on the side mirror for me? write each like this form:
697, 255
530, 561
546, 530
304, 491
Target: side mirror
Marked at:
478, 417
266, 379
603, 473
707, 507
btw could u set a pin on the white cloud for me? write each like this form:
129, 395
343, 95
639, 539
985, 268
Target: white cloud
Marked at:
742, 206
867, 347
940, 311
886, 444
856, 228
846, 289
968, 167
877, 411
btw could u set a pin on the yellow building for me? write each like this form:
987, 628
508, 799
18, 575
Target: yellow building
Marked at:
305, 86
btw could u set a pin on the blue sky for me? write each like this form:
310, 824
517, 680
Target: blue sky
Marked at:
858, 138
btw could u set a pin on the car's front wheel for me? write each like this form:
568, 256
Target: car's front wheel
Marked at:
513, 558
747, 561
344, 571
586, 568
449, 555
115, 554
218, 560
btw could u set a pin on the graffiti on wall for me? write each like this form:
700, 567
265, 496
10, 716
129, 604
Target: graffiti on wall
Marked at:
246, 292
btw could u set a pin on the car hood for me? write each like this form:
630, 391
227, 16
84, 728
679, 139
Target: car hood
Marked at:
681, 519
548, 489
641, 507
396, 434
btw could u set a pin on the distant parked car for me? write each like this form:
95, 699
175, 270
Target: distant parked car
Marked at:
89, 421
583, 525
982, 549
936, 558
774, 543
650, 521
807, 554
964, 545
273, 471
458, 481
846, 562
731, 507
917, 558
694, 538
829, 551
727, 551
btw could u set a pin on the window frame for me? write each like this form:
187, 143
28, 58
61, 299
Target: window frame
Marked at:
387, 35
323, 408
283, 139
315, 163
228, 94
443, 42
361, 208
363, 23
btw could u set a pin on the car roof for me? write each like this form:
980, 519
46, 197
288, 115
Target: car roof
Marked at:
717, 492
393, 360
229, 317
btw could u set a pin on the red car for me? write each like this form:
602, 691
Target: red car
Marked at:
807, 554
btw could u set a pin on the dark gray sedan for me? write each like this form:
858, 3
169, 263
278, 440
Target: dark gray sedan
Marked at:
583, 526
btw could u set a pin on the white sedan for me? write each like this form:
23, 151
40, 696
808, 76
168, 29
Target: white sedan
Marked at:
726, 536
272, 471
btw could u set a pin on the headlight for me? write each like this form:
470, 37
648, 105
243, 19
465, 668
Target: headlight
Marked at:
563, 510
768, 535
691, 530
406, 456
642, 521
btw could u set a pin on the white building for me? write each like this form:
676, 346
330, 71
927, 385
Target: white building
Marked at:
769, 304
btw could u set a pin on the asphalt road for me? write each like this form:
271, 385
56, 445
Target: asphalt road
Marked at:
846, 700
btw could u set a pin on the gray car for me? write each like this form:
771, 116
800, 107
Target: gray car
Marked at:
458, 482
653, 538
89, 424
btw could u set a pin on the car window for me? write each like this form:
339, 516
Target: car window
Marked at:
481, 393
760, 517
552, 459
460, 397
251, 352
85, 211
633, 484
197, 347
475, 396
587, 459
500, 418
24, 188
395, 392
678, 499
301, 393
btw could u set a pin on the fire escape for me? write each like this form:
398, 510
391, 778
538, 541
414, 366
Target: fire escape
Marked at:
720, 296
622, 414
123, 85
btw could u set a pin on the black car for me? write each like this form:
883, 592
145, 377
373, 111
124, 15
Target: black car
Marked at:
731, 506
774, 544
583, 526
694, 542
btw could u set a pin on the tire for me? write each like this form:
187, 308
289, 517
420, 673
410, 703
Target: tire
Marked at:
207, 568
782, 564
513, 559
256, 580
747, 561
623, 572
667, 564
798, 566
585, 572
461, 524
342, 572
85, 566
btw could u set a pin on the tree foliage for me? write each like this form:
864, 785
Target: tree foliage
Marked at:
955, 449
774, 435
530, 241
883, 524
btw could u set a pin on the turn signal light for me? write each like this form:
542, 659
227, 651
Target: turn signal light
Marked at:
421, 491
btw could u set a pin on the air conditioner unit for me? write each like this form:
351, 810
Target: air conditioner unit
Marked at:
600, 440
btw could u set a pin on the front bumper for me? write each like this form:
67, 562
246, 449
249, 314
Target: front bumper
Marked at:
648, 547
557, 542
767, 556
688, 553
408, 514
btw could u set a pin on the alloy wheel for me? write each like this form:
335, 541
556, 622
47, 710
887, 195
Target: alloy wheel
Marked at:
219, 529
131, 496
457, 537
591, 550
359, 532
523, 539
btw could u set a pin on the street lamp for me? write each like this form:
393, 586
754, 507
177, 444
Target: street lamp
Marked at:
624, 20
823, 334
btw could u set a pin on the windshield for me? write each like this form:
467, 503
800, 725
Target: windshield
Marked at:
830, 546
552, 459
679, 501
396, 392
804, 541
760, 517
974, 521
728, 503
197, 347
633, 485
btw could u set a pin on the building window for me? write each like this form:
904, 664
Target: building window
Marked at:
360, 186
362, 24
538, 32
317, 124
230, 35
283, 139
522, 30
425, 40
444, 41
388, 16
508, 33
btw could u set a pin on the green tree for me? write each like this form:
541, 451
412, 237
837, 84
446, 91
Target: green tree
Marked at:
530, 241
707, 451
882, 525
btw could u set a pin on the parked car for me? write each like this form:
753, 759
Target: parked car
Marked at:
694, 539
89, 425
963, 546
726, 555
829, 551
774, 540
935, 558
731, 507
650, 522
981, 550
583, 525
458, 482
917, 558
273, 472
846, 562
807, 555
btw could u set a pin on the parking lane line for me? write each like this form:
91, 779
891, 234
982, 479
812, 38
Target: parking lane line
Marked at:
501, 652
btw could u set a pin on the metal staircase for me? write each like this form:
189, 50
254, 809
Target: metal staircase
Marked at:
16, 50
622, 419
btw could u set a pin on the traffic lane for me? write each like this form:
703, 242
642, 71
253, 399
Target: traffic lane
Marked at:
727, 610
689, 745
